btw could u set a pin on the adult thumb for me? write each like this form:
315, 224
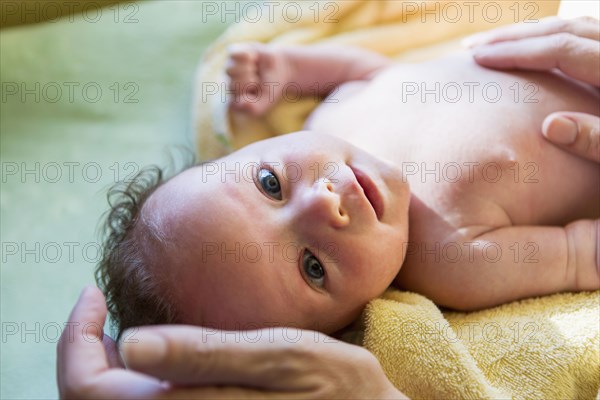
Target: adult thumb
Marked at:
577, 133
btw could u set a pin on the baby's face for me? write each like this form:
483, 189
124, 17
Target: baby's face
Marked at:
281, 232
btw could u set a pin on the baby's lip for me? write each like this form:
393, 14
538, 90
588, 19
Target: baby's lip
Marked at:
370, 190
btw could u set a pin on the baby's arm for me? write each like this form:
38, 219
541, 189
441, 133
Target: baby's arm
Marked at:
261, 73
512, 263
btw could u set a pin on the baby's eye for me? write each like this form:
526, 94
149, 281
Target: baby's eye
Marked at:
269, 183
313, 269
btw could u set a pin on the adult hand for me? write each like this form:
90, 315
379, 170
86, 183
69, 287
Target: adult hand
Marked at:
269, 363
573, 47
83, 370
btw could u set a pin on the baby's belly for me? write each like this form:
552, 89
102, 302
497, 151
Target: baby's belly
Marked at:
452, 113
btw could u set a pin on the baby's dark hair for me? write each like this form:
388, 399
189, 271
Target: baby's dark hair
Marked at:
132, 250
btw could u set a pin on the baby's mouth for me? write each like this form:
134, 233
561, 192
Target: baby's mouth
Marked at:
370, 190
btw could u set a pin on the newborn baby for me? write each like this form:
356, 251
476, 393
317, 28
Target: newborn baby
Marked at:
432, 177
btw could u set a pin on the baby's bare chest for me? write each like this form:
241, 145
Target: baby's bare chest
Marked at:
469, 140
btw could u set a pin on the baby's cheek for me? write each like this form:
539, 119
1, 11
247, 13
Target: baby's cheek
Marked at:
370, 281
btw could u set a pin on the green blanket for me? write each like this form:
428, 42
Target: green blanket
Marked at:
85, 100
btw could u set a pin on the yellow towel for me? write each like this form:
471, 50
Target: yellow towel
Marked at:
543, 348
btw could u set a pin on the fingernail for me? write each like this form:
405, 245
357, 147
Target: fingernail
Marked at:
482, 51
561, 130
142, 349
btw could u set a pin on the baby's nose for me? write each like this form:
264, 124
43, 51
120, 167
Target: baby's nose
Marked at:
322, 205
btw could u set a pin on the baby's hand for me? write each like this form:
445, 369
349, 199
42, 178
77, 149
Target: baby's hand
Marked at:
258, 74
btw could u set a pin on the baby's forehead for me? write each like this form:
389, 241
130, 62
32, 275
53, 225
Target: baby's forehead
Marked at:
195, 203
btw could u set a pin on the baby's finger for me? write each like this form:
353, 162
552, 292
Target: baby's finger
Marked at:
577, 132
81, 354
586, 27
577, 57
241, 71
243, 52
193, 355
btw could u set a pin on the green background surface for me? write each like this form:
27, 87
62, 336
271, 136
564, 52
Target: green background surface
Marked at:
49, 217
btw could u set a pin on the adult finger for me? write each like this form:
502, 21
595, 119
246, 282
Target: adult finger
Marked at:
575, 56
80, 350
283, 364
229, 393
275, 359
576, 132
112, 352
586, 27
188, 355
